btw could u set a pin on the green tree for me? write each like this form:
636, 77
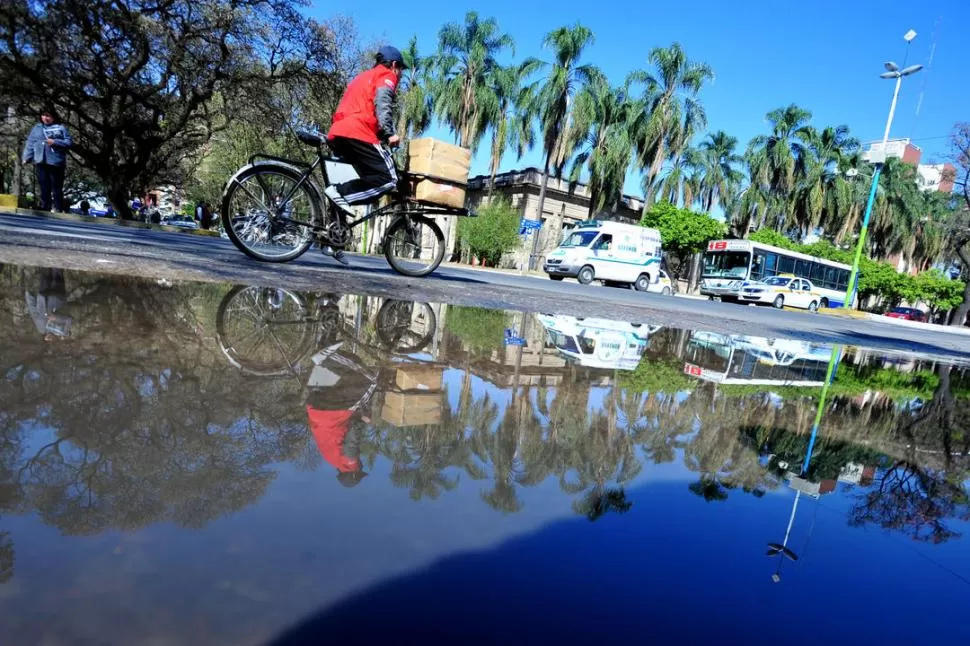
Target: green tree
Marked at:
415, 101
507, 99
671, 112
719, 175
958, 225
555, 98
682, 231
143, 85
493, 233
602, 117
776, 164
466, 57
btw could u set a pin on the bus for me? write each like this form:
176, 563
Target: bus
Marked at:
728, 264
756, 361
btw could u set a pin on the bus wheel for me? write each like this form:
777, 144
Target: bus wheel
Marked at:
824, 303
585, 276
779, 302
643, 283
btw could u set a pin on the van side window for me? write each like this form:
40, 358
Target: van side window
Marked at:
604, 243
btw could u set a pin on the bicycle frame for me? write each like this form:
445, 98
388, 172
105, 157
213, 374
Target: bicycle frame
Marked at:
402, 206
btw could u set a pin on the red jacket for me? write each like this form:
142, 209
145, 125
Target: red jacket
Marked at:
356, 116
329, 427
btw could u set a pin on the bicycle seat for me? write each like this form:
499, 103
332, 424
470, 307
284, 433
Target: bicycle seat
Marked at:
309, 137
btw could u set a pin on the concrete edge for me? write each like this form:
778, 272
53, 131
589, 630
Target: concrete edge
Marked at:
876, 318
110, 222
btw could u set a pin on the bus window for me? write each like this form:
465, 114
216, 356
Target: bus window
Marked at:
726, 264
771, 264
786, 265
803, 268
817, 274
757, 266
843, 279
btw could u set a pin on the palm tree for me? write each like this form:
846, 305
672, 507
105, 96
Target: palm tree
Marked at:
555, 98
777, 160
507, 99
680, 183
672, 112
824, 155
602, 119
719, 175
414, 99
466, 56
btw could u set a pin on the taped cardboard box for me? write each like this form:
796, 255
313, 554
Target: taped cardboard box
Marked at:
447, 163
416, 377
412, 409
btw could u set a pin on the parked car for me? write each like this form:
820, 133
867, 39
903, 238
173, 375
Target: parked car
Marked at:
779, 291
181, 221
907, 313
663, 284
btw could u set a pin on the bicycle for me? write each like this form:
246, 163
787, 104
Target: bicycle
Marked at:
270, 331
286, 208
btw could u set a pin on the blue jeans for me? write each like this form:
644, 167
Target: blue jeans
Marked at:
51, 182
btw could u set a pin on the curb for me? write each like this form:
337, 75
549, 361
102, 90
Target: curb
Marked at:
110, 222
875, 318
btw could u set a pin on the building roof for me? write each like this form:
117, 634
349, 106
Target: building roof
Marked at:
531, 176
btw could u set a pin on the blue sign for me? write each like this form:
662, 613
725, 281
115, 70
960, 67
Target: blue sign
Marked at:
512, 339
528, 226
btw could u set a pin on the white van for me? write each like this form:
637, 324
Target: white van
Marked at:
598, 343
611, 252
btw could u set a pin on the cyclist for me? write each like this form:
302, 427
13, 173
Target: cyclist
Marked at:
364, 119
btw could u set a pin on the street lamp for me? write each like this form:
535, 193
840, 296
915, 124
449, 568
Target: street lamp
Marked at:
878, 157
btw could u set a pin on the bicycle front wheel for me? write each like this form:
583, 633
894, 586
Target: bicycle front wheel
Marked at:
255, 204
414, 245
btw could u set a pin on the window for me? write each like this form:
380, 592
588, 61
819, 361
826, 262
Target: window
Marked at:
817, 274
605, 243
786, 265
842, 276
580, 238
803, 268
771, 264
758, 266
726, 264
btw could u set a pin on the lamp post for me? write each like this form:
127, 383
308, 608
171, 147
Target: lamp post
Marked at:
879, 158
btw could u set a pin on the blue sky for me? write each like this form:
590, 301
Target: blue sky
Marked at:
825, 56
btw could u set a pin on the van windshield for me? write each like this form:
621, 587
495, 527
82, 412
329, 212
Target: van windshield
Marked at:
579, 238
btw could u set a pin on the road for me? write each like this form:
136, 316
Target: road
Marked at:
38, 241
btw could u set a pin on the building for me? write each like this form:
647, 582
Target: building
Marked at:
899, 148
565, 206
936, 177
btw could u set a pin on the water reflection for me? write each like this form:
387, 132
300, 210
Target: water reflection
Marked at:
186, 404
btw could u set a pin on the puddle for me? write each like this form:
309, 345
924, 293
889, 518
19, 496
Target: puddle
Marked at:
184, 463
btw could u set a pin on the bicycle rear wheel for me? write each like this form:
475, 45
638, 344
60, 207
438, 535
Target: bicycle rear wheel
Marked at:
414, 245
252, 206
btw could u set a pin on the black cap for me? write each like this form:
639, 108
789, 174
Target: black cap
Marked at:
388, 54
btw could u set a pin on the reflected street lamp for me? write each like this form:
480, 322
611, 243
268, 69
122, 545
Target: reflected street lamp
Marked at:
879, 158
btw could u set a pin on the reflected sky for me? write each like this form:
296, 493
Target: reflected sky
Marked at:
216, 464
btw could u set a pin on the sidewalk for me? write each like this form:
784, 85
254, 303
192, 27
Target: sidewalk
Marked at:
111, 222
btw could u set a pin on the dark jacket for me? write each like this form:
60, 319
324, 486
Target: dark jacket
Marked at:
37, 151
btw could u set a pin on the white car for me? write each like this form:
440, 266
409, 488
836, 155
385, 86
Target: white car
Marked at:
781, 291
663, 285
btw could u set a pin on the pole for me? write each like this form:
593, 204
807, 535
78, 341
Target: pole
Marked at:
829, 376
853, 286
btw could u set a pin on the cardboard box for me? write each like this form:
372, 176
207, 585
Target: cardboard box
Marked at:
440, 193
412, 409
447, 163
417, 377
442, 160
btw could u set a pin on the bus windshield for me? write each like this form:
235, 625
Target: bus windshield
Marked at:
579, 238
726, 264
